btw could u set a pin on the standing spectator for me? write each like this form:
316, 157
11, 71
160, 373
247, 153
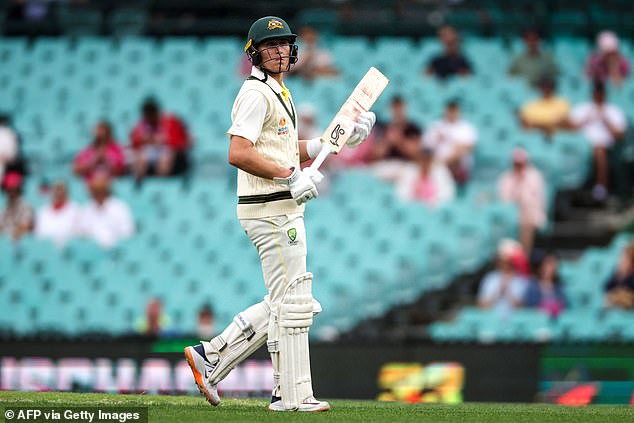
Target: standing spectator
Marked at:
313, 61
534, 63
524, 185
607, 64
155, 322
619, 289
103, 154
205, 326
544, 290
17, 218
452, 140
546, 113
451, 62
398, 145
59, 220
160, 143
430, 183
8, 145
105, 219
602, 124
502, 289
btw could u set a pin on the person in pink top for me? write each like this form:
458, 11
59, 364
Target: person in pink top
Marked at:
607, 64
524, 185
430, 182
103, 154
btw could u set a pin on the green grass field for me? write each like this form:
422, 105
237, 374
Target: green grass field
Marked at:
195, 409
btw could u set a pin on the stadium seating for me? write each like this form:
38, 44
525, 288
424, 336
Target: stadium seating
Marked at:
379, 254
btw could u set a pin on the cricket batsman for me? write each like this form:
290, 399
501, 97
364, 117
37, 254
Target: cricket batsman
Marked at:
272, 192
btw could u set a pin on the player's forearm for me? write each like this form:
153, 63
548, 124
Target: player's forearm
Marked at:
253, 163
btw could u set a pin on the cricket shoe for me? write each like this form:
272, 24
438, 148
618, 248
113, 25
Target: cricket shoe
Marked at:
201, 368
309, 404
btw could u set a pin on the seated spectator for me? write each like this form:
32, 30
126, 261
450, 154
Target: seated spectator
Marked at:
451, 61
397, 144
619, 289
502, 289
105, 219
18, 163
524, 186
607, 64
546, 113
205, 326
8, 145
313, 60
16, 220
156, 322
544, 290
307, 127
431, 183
602, 124
103, 154
160, 143
452, 140
534, 63
58, 221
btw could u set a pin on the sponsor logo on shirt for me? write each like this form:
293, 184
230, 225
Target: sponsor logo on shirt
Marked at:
283, 129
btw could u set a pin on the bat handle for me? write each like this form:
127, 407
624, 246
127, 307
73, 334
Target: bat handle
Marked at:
325, 151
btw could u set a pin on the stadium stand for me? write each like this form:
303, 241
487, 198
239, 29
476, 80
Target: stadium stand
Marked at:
189, 241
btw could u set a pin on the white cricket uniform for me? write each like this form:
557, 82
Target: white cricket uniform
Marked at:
270, 217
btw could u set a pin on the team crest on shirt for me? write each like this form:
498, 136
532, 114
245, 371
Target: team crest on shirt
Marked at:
283, 128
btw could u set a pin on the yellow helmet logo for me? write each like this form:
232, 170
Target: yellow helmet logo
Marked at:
274, 23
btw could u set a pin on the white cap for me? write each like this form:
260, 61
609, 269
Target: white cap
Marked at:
607, 41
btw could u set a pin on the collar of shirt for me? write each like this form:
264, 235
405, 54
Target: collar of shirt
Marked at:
277, 88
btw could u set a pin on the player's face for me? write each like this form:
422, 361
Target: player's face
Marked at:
275, 55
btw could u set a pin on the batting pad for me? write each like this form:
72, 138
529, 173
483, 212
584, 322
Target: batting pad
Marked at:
244, 335
293, 321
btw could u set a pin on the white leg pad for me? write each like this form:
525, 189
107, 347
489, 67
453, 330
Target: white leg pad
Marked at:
288, 342
239, 340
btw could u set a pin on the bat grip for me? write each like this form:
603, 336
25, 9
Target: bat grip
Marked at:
325, 151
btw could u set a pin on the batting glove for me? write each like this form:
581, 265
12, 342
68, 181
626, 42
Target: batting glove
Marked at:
362, 128
301, 185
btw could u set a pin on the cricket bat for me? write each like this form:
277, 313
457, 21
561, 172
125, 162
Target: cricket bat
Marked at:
341, 128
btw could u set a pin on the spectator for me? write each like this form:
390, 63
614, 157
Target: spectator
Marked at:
546, 113
544, 290
105, 219
59, 220
11, 157
534, 63
8, 145
502, 289
17, 218
602, 124
307, 128
205, 326
398, 144
430, 183
452, 140
102, 154
607, 64
524, 186
160, 143
313, 61
451, 62
156, 322
619, 289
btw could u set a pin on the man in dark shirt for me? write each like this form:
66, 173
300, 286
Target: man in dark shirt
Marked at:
451, 61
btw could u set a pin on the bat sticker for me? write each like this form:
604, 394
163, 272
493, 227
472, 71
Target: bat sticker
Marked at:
334, 135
